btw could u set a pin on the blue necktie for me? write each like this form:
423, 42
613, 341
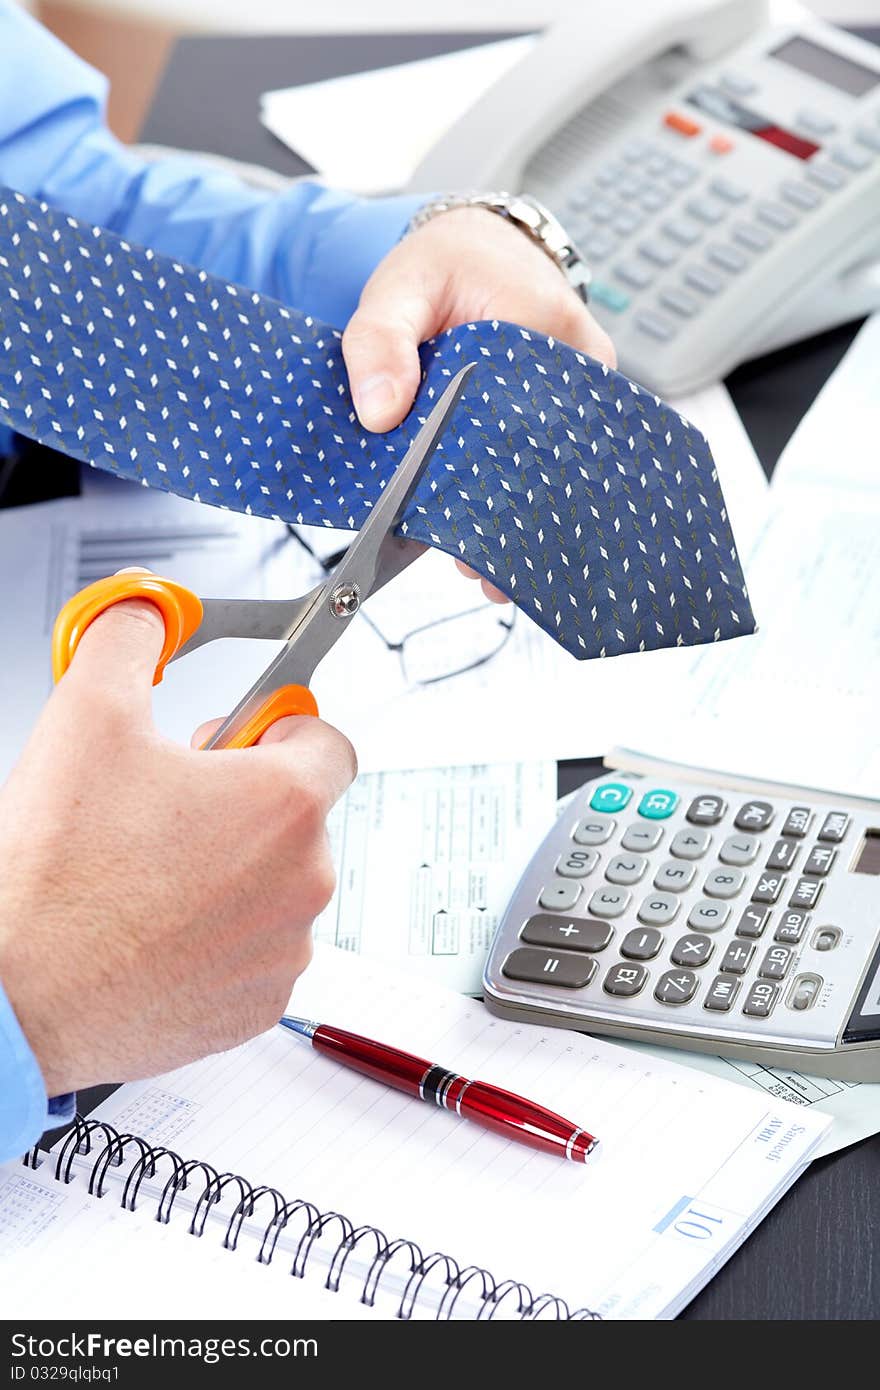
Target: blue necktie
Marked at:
594, 505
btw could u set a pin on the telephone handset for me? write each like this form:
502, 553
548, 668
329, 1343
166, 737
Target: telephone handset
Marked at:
721, 173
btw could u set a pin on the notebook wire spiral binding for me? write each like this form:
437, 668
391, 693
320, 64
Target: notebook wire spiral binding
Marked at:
205, 1187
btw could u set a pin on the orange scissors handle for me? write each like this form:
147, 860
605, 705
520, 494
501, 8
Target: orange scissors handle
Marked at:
181, 612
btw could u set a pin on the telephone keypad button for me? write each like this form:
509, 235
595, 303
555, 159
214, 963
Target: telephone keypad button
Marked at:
655, 326
752, 236
800, 195
775, 215
680, 302
728, 257
700, 277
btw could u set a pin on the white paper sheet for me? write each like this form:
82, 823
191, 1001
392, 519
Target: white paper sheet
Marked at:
426, 863
276, 1112
368, 131
797, 702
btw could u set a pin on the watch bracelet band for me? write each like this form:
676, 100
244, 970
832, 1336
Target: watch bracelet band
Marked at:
530, 217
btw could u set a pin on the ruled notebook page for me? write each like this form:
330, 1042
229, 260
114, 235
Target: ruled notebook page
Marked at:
685, 1164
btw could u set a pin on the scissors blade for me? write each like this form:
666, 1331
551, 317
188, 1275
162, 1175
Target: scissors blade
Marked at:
374, 557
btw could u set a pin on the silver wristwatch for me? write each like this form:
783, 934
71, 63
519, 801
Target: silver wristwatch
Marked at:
531, 217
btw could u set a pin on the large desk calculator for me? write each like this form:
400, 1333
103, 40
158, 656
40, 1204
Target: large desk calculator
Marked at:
713, 914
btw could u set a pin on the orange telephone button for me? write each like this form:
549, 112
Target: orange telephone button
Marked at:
720, 144
683, 124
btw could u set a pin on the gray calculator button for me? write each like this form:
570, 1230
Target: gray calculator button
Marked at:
754, 815
680, 302
760, 999
642, 837
658, 909
815, 122
826, 938
571, 934
680, 175
724, 883
800, 195
609, 902
775, 215
853, 157
658, 252
834, 827
593, 832
675, 875
753, 921
549, 967
775, 964
577, 863
683, 230
866, 136
692, 949
827, 176
655, 326
728, 257
750, 235
722, 992
737, 957
768, 888
626, 868
676, 987
706, 810
708, 915
702, 278
625, 980
633, 273
560, 894
642, 943
791, 928
819, 860
707, 209
806, 893
739, 849
783, 854
797, 822
728, 190
690, 843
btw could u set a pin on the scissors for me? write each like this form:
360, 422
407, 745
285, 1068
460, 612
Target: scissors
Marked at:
308, 625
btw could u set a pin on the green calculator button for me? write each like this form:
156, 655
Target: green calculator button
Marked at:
658, 804
611, 796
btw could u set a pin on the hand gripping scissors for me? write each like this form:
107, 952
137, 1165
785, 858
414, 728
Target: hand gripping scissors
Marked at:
309, 625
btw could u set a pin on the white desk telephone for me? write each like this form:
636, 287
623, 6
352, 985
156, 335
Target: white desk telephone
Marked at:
720, 173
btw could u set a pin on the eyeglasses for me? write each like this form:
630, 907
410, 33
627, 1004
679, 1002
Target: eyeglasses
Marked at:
443, 648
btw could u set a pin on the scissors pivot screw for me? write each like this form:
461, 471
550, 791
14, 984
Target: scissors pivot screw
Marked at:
345, 601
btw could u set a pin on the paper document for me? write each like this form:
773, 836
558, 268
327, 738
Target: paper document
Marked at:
798, 701
427, 861
368, 131
283, 1116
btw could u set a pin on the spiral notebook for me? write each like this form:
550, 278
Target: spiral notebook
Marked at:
269, 1180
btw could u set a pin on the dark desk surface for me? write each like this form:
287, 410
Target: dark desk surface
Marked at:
813, 1255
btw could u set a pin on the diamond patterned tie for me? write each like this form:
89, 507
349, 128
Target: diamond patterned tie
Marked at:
594, 505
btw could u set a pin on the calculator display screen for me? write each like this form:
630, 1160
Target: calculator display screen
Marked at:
829, 67
868, 858
724, 108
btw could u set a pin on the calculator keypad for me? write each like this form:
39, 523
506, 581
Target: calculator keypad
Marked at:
712, 911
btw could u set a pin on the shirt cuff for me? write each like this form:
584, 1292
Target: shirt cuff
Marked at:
350, 246
24, 1110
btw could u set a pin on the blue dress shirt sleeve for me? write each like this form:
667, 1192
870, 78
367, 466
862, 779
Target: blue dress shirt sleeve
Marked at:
24, 1111
310, 246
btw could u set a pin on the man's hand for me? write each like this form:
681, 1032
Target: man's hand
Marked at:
155, 901
465, 264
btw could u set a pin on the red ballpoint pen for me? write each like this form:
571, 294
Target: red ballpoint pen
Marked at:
509, 1115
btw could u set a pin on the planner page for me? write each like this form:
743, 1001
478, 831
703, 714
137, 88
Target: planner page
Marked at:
685, 1166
